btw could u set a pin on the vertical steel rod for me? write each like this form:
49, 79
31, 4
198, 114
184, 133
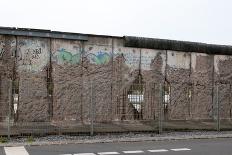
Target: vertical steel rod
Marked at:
9, 109
92, 110
160, 110
218, 110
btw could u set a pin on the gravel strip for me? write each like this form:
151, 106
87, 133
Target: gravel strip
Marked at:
132, 137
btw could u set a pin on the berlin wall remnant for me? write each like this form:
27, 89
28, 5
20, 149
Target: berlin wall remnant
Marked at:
135, 68
223, 79
202, 86
115, 65
31, 67
7, 51
178, 76
97, 68
67, 79
153, 64
125, 72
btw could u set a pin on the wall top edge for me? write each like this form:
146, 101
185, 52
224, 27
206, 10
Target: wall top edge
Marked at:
129, 41
175, 45
31, 32
42, 33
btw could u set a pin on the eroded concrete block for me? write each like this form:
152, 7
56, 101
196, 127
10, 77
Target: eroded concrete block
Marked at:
125, 71
32, 62
67, 76
202, 86
7, 49
98, 69
223, 79
178, 76
153, 64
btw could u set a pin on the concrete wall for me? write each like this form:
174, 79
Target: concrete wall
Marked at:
55, 80
178, 76
67, 79
97, 68
31, 67
223, 78
153, 64
125, 71
202, 86
7, 49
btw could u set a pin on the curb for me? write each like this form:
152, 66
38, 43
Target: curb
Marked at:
137, 139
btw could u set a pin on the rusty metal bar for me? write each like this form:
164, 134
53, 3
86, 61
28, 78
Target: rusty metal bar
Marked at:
218, 110
9, 109
161, 109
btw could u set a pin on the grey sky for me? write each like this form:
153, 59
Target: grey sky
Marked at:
191, 20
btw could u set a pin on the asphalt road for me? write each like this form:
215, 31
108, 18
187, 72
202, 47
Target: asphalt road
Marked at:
181, 147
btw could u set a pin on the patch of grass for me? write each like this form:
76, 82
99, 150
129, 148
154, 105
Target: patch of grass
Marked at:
3, 139
30, 139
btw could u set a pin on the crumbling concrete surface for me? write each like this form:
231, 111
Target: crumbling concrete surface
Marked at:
223, 80
79, 81
97, 79
33, 98
121, 85
153, 63
202, 86
7, 49
178, 76
125, 72
32, 63
67, 80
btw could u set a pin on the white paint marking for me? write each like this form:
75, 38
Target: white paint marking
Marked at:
160, 150
181, 149
107, 153
137, 151
15, 150
84, 154
65, 154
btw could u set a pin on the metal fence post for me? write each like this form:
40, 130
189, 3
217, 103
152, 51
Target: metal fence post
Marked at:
91, 109
218, 109
161, 109
9, 108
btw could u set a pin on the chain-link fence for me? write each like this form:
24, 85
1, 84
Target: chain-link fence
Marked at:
5, 112
134, 107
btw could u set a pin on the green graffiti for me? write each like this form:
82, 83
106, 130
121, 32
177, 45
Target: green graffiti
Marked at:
101, 58
65, 56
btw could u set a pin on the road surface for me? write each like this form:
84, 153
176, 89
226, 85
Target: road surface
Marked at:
180, 147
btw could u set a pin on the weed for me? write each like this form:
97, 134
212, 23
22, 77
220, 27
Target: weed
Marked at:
30, 139
3, 140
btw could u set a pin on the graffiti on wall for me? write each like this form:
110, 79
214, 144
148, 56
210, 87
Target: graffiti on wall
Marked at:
64, 56
178, 59
7, 42
100, 58
146, 58
219, 59
150, 56
131, 56
2, 50
98, 55
32, 55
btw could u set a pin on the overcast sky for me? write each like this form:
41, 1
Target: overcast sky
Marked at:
208, 21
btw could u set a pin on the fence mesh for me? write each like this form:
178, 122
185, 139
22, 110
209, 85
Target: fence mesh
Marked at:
136, 107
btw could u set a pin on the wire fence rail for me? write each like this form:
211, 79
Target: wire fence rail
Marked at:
135, 107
